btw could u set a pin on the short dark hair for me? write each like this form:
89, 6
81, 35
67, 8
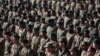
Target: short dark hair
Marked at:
16, 36
8, 33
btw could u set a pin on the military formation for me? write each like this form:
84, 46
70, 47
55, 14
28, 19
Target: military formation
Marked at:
49, 27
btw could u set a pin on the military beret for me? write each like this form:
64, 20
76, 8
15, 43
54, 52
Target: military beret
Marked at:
96, 41
78, 28
21, 22
70, 26
61, 23
77, 13
71, 12
50, 20
86, 31
53, 34
30, 26
67, 11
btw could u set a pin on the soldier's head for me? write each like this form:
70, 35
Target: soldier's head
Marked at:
66, 12
74, 51
91, 23
60, 23
43, 20
62, 42
36, 30
43, 32
96, 43
78, 29
30, 27
53, 36
38, 17
86, 33
70, 28
91, 51
49, 47
51, 22
7, 35
21, 24
25, 43
15, 39
85, 45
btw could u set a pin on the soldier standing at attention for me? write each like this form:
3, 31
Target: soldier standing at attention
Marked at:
50, 49
84, 46
26, 51
96, 45
15, 46
7, 43
63, 50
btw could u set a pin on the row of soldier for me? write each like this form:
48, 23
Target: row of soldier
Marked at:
50, 28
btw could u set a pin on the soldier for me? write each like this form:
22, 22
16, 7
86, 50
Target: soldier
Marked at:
66, 18
26, 51
15, 46
35, 39
63, 50
92, 25
70, 35
60, 29
76, 19
74, 51
43, 40
7, 43
37, 21
22, 30
91, 51
50, 49
29, 33
87, 37
50, 26
78, 37
84, 47
96, 45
